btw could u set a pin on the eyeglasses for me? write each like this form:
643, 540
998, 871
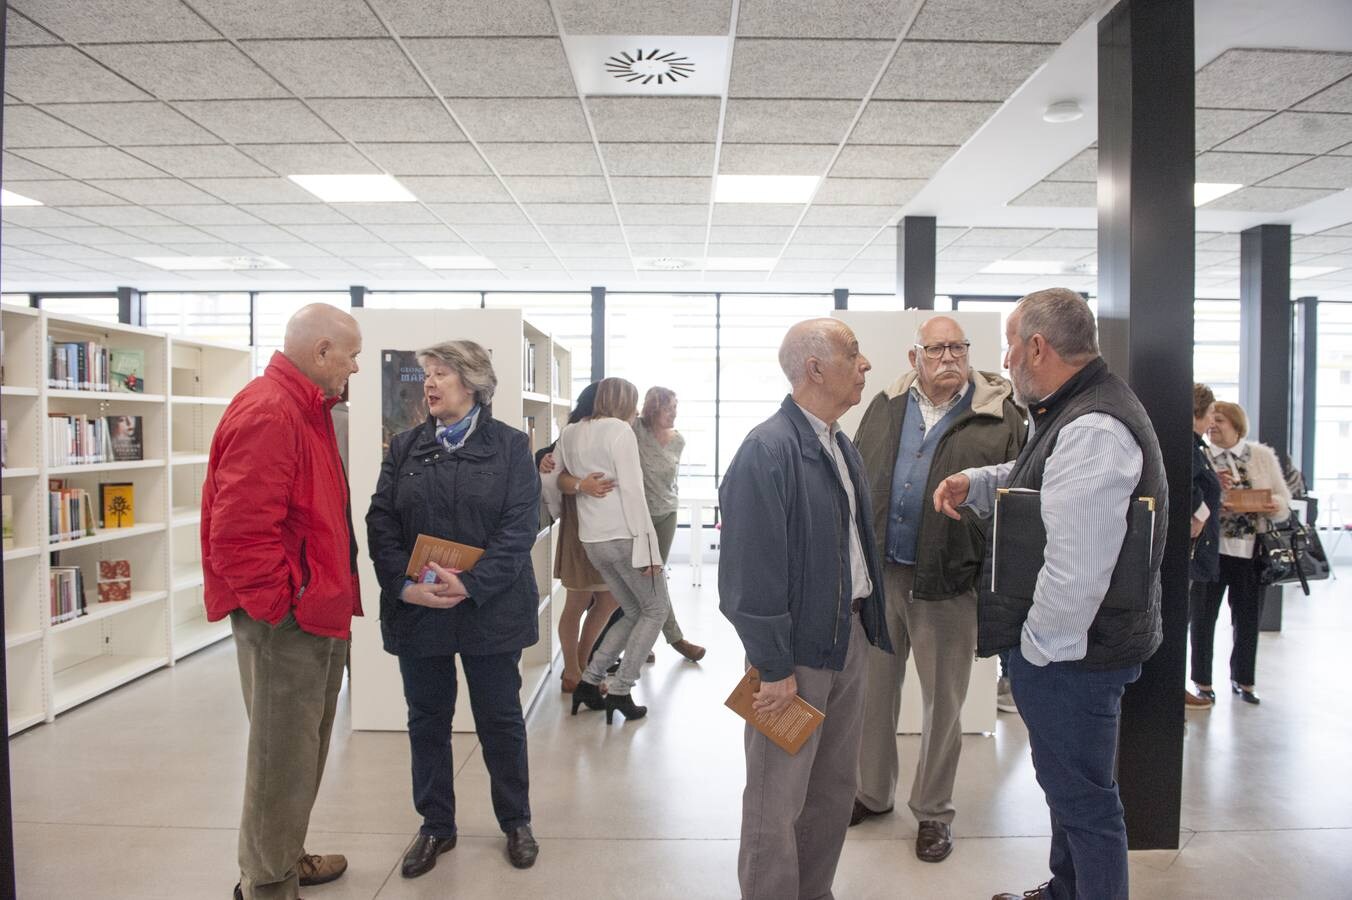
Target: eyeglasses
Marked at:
936, 351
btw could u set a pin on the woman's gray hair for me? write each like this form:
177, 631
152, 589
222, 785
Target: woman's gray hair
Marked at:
805, 340
468, 360
1064, 319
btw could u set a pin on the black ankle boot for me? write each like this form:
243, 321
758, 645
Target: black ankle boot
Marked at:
625, 705
589, 694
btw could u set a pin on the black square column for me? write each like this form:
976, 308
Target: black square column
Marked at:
1146, 224
916, 261
1265, 333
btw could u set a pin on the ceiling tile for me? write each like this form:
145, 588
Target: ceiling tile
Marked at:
543, 159
676, 234
1242, 168
63, 75
292, 19
525, 267
788, 121
1214, 126
1001, 237
27, 126
33, 217
361, 249
1295, 132
1083, 166
1059, 193
591, 251
16, 168
331, 233
485, 213
389, 214
664, 213
258, 121
1335, 99
458, 189
220, 160
422, 18
191, 71
944, 70
1267, 199
661, 190
163, 234
573, 213
864, 191
642, 17
90, 162
1322, 244
654, 120
412, 119
908, 122
67, 251
757, 213
775, 159
255, 190
218, 214
85, 21
1227, 242
446, 244
498, 233
519, 249
1323, 172
679, 249
1267, 79
744, 250
813, 19
131, 123
20, 32
528, 121
851, 235
399, 234
1053, 254
1082, 238
889, 161
978, 20
247, 234
545, 189
610, 234
873, 217
339, 68
749, 234
805, 68
495, 66
291, 249
204, 247
659, 159
65, 192
310, 159
828, 266
801, 250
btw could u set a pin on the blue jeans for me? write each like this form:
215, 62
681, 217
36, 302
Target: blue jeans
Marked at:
1072, 716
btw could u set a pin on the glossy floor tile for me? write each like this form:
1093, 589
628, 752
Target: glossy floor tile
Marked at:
137, 794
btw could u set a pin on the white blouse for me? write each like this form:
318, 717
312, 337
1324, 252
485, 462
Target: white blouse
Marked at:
608, 446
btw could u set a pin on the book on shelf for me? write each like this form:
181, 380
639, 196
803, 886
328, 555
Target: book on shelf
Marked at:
70, 511
114, 584
554, 377
7, 514
125, 443
118, 502
66, 585
77, 440
528, 371
528, 426
127, 369
77, 365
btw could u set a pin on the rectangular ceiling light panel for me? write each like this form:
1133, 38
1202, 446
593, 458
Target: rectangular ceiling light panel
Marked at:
765, 188
355, 188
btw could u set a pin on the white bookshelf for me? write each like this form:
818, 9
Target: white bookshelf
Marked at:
377, 691
52, 668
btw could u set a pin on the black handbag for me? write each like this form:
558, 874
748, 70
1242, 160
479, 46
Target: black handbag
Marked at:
1291, 552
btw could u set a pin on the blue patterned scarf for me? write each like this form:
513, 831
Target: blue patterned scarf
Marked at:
453, 437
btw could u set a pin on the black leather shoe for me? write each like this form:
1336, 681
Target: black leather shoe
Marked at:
1245, 695
239, 892
421, 858
862, 812
625, 706
1209, 694
521, 847
588, 695
934, 842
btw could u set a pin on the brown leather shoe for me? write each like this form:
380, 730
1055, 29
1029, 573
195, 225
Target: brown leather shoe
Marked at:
1194, 701
862, 812
314, 869
692, 652
1038, 893
934, 842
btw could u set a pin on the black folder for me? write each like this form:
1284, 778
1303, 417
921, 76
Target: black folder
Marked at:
1019, 540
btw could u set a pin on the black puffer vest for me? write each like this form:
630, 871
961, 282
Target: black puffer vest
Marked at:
1117, 637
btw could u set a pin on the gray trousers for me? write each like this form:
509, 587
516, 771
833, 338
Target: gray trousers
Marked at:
666, 533
941, 635
795, 809
646, 606
290, 679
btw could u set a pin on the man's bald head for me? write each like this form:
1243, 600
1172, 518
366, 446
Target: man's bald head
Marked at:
811, 339
323, 342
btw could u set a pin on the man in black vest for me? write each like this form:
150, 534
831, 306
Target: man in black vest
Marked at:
1091, 449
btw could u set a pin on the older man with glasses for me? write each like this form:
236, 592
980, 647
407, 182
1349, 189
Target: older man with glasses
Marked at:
937, 419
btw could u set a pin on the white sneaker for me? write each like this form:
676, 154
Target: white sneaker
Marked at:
1004, 697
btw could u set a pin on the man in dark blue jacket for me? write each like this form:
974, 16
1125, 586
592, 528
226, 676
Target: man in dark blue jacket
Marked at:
799, 579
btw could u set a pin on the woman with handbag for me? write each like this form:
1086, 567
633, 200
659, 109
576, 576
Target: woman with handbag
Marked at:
1242, 465
1205, 530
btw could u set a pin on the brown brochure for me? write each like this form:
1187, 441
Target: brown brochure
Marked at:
444, 553
789, 730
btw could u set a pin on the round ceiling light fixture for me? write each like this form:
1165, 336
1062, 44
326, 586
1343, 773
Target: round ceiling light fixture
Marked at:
645, 66
1063, 111
665, 263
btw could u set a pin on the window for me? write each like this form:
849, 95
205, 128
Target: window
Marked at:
751, 383
1333, 396
100, 309
220, 317
1215, 355
566, 316
669, 340
423, 300
272, 310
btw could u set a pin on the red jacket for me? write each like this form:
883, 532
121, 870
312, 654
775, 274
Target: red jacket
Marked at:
276, 515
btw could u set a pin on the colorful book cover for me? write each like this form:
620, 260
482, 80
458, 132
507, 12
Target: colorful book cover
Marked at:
402, 405
125, 438
114, 582
118, 504
127, 370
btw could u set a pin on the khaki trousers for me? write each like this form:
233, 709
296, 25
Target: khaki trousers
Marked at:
941, 634
795, 809
290, 679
